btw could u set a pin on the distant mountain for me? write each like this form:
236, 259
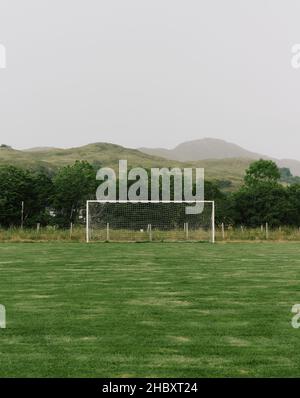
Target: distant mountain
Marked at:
206, 148
212, 148
293, 165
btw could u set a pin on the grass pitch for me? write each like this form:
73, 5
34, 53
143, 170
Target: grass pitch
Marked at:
149, 310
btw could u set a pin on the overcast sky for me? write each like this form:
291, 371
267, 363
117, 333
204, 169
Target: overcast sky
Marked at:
150, 73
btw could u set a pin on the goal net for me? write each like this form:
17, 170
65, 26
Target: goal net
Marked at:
118, 221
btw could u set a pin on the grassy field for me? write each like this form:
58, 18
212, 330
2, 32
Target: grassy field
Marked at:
177, 310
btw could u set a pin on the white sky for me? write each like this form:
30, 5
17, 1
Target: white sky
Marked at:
150, 73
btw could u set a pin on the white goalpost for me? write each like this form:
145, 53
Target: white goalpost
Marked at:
149, 221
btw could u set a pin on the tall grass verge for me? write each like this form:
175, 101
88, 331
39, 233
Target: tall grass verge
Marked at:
52, 234
47, 234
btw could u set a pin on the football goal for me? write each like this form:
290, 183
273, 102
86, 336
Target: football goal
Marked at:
141, 221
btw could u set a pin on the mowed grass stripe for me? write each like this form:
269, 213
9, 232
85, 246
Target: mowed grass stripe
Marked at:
161, 310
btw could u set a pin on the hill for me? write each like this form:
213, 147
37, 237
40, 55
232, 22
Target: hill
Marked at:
105, 154
99, 154
211, 148
206, 148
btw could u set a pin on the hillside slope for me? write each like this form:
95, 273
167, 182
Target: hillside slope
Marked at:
211, 148
104, 154
206, 148
99, 154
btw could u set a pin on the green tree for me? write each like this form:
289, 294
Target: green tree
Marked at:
285, 174
262, 199
42, 189
17, 186
293, 205
73, 185
257, 205
262, 172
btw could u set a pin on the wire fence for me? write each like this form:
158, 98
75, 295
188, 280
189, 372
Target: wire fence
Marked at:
77, 233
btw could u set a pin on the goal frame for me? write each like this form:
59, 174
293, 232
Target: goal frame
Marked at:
212, 202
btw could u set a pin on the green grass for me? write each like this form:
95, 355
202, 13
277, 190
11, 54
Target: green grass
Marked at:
159, 310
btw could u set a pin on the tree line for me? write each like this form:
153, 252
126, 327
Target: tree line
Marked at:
60, 199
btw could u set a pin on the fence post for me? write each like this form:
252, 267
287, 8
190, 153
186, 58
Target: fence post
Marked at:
107, 232
187, 230
38, 227
223, 231
71, 229
267, 231
150, 232
22, 214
